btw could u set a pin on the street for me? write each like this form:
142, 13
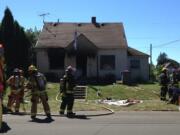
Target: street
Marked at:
120, 123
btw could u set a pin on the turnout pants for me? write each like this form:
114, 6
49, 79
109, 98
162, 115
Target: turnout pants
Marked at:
35, 100
14, 98
67, 101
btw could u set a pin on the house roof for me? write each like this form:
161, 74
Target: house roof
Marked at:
102, 35
134, 52
84, 47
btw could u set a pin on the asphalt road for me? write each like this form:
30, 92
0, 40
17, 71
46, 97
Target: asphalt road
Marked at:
120, 123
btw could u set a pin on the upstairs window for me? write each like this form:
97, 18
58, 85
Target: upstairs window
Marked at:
107, 62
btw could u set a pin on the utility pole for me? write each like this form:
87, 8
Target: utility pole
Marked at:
151, 54
43, 16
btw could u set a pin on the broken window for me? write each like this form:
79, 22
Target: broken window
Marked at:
56, 58
107, 62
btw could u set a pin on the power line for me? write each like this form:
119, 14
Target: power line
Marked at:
168, 43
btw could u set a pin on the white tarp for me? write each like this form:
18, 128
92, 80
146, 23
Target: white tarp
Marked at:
120, 102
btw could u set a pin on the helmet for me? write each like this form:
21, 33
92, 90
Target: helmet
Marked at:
32, 68
16, 70
21, 71
164, 69
69, 69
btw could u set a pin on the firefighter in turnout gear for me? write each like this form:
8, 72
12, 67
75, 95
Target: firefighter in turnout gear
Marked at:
174, 90
67, 85
164, 81
21, 73
37, 84
16, 83
174, 79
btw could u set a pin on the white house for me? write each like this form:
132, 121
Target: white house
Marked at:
94, 49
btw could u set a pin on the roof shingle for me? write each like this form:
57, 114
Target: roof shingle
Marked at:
104, 35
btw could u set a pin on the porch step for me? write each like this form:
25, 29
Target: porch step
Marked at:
80, 92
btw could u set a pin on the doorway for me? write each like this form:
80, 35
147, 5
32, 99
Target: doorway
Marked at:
81, 65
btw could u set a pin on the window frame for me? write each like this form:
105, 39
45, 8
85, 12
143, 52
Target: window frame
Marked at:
104, 60
135, 64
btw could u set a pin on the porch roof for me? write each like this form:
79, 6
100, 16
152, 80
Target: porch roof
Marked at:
134, 52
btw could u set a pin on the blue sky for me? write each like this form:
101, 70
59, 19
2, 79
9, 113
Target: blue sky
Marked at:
146, 22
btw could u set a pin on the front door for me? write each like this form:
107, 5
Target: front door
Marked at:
81, 65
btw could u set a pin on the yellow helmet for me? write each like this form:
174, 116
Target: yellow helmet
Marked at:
164, 69
32, 68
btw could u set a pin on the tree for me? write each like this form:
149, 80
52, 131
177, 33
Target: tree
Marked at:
152, 72
22, 47
25, 49
162, 58
7, 33
17, 45
0, 34
174, 63
33, 35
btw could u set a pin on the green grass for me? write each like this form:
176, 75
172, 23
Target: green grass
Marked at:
148, 93
118, 91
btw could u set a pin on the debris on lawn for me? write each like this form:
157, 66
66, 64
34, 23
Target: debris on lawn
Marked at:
126, 102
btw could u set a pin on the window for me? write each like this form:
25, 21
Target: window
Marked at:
107, 62
135, 64
56, 58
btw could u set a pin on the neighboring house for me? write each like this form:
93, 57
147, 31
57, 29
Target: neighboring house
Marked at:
94, 49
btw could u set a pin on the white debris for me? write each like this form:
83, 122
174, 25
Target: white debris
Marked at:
120, 102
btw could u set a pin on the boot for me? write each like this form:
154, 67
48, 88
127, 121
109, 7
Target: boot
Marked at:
61, 113
49, 116
71, 115
33, 117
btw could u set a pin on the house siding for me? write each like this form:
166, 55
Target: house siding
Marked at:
92, 67
42, 60
43, 63
120, 62
142, 73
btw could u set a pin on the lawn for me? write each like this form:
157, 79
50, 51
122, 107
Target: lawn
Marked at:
148, 93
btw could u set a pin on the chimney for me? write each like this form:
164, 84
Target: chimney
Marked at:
93, 20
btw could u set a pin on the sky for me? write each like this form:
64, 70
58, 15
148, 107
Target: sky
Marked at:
146, 22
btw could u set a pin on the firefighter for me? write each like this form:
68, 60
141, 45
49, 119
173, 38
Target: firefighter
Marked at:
2, 80
164, 80
2, 75
21, 73
37, 84
67, 87
2, 84
174, 79
174, 90
16, 83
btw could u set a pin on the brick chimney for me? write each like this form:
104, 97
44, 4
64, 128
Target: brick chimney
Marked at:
93, 20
